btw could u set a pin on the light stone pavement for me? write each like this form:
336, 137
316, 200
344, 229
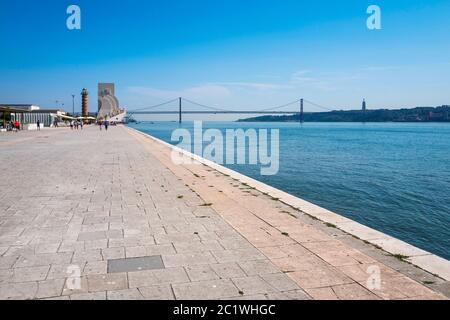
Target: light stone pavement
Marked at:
82, 200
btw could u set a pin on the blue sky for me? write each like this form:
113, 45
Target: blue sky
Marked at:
239, 54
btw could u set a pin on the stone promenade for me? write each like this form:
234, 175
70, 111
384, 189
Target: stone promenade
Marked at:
107, 215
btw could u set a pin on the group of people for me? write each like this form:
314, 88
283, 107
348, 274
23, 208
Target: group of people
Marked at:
14, 126
102, 124
76, 125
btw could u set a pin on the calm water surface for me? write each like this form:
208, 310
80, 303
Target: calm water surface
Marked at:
392, 177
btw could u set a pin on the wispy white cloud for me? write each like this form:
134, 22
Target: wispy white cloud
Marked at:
302, 80
306, 79
255, 85
207, 91
302, 76
380, 68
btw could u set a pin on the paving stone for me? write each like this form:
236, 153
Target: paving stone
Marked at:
258, 267
326, 293
253, 285
107, 282
128, 294
57, 298
95, 244
3, 250
238, 255
87, 236
184, 237
135, 264
294, 295
354, 292
178, 260
50, 288
8, 262
156, 277
75, 285
95, 227
47, 248
14, 291
43, 260
228, 270
158, 292
71, 246
95, 267
280, 281
400, 288
135, 252
113, 253
86, 256
233, 244
215, 289
362, 272
89, 296
201, 273
320, 277
131, 242
6, 275
30, 274
197, 246
63, 271
163, 249
256, 297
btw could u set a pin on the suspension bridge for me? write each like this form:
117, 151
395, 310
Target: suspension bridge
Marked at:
180, 103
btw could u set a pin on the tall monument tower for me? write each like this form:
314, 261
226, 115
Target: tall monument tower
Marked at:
84, 103
108, 104
364, 106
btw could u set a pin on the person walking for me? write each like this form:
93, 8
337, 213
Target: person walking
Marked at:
72, 123
106, 125
39, 125
17, 125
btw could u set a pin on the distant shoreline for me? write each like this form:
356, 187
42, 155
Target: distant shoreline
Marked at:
293, 121
416, 115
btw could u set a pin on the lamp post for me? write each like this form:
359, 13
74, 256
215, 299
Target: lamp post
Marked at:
73, 105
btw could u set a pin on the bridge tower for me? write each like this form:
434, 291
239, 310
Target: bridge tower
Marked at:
302, 119
180, 115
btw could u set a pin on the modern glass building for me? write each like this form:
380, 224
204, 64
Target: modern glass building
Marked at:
31, 114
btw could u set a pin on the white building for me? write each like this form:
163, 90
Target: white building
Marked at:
28, 115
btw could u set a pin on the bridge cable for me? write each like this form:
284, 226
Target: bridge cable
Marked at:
204, 106
154, 107
225, 110
318, 105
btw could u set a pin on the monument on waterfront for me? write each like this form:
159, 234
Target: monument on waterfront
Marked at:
84, 103
108, 104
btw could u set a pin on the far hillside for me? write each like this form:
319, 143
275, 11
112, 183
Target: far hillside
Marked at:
419, 114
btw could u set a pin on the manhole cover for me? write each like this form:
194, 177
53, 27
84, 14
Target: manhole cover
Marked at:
135, 264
